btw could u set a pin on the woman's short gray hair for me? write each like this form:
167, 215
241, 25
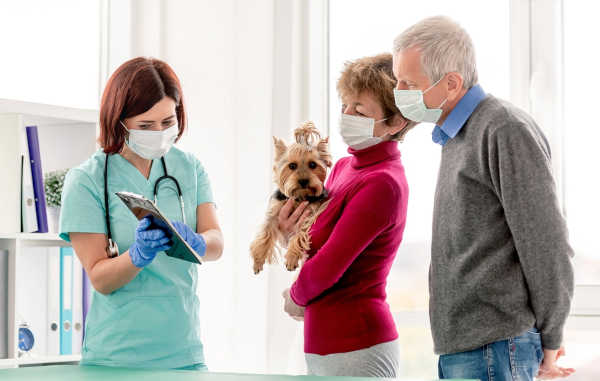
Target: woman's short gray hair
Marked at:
445, 47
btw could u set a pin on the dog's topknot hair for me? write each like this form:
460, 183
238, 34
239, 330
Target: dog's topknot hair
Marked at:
307, 134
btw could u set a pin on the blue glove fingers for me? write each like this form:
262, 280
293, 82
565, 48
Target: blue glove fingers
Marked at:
164, 247
151, 235
143, 224
181, 228
155, 245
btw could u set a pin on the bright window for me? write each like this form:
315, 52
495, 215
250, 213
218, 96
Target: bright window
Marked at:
50, 51
360, 28
581, 162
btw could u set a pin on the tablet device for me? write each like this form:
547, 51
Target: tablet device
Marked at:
142, 207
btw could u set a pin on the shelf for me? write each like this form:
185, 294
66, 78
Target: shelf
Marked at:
48, 360
31, 236
48, 111
35, 239
8, 363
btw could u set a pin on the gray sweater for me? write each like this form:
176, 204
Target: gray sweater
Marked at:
500, 256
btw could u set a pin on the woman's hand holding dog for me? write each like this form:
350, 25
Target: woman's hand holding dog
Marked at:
290, 219
295, 311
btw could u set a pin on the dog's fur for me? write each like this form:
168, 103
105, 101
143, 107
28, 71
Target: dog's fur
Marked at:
299, 172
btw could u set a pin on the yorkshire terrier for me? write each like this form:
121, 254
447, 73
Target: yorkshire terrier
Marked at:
300, 170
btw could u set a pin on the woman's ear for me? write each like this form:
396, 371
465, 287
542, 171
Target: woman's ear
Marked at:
395, 124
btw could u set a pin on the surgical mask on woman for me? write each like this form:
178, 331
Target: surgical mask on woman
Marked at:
411, 105
357, 131
151, 144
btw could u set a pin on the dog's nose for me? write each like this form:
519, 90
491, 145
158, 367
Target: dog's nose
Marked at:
303, 183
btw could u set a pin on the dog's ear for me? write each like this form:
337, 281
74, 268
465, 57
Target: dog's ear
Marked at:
323, 149
280, 148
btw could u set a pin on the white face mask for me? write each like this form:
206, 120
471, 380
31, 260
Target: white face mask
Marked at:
152, 144
411, 105
357, 131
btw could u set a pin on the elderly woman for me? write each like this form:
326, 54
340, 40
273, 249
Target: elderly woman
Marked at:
340, 290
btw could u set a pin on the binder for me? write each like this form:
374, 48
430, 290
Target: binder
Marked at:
38, 178
66, 300
3, 304
53, 320
28, 212
77, 306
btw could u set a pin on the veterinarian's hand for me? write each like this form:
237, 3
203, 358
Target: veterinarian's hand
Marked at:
294, 310
290, 219
550, 369
148, 242
195, 240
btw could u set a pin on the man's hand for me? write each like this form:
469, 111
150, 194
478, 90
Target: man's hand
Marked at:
294, 310
549, 369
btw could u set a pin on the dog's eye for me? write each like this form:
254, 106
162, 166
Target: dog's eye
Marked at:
293, 166
312, 165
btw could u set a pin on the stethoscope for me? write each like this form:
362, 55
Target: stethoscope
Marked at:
112, 250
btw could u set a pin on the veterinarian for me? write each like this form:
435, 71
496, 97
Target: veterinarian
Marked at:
144, 311
340, 290
501, 279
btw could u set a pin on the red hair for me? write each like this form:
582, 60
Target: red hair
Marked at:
134, 88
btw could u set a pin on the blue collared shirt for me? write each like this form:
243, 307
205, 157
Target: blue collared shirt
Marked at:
458, 116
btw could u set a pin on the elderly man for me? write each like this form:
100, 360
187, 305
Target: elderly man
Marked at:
501, 279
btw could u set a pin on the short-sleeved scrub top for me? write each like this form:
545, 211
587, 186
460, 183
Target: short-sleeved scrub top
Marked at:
153, 321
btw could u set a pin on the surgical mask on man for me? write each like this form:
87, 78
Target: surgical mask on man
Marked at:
151, 144
411, 105
357, 131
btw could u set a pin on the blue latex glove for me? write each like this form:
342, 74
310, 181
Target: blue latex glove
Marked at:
148, 242
195, 240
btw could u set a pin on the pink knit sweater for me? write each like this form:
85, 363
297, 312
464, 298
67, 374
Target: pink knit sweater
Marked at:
353, 244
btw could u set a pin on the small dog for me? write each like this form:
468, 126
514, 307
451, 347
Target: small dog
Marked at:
299, 172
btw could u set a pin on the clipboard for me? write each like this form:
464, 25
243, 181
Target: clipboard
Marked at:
142, 207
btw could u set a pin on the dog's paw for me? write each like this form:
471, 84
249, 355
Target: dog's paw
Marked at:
258, 267
291, 264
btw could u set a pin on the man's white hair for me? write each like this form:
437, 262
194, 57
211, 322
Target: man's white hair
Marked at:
445, 47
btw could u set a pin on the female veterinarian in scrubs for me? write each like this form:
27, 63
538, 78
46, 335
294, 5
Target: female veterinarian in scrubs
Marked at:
144, 311
348, 326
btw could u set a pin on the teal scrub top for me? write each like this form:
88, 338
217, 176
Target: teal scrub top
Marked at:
154, 320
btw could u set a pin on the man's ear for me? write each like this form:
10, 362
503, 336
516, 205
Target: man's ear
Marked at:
454, 85
280, 148
396, 123
323, 149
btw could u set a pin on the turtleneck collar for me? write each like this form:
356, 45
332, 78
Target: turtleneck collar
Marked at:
375, 154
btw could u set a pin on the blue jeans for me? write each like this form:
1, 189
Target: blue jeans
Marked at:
517, 358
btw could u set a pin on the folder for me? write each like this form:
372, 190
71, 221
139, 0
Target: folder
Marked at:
53, 322
38, 178
66, 300
142, 207
3, 304
77, 306
28, 211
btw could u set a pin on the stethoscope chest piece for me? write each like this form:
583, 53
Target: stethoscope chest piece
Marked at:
112, 250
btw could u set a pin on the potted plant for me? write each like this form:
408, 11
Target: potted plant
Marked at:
53, 185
